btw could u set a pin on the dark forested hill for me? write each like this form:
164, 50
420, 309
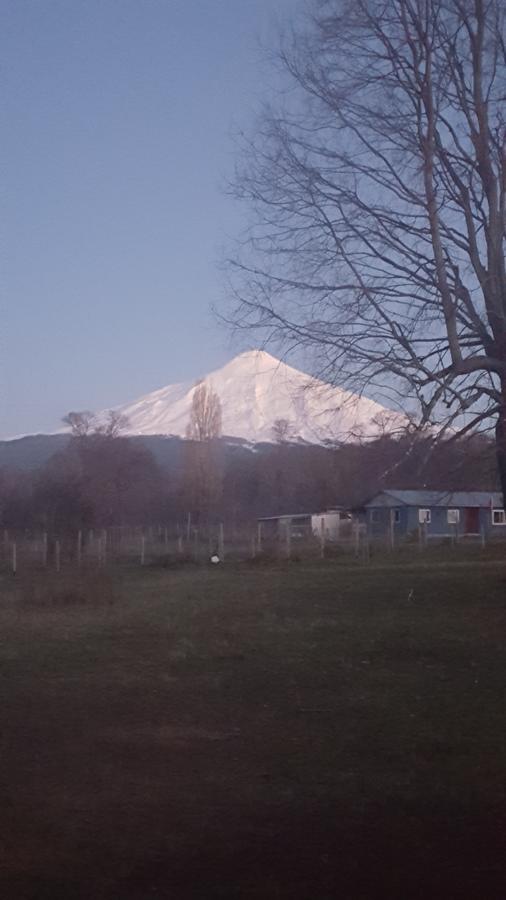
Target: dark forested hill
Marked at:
157, 475
34, 451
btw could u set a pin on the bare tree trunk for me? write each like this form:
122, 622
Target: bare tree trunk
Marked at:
500, 436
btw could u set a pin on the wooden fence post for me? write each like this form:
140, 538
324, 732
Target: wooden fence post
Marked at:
180, 545
392, 529
79, 547
44, 549
259, 537
57, 555
221, 543
143, 550
14, 558
322, 538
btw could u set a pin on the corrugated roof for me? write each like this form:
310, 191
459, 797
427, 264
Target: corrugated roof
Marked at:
440, 498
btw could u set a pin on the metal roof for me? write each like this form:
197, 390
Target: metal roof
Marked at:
439, 498
284, 516
325, 512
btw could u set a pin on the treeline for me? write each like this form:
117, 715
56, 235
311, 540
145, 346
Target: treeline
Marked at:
102, 479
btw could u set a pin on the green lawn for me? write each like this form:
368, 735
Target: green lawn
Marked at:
297, 730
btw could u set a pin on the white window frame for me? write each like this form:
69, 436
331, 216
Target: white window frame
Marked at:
500, 514
453, 516
424, 516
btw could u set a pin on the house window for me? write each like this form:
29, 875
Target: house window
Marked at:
498, 517
375, 515
397, 516
453, 516
424, 516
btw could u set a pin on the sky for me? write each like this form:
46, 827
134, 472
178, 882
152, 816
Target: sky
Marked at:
118, 121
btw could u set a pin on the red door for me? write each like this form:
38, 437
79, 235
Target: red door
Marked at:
471, 520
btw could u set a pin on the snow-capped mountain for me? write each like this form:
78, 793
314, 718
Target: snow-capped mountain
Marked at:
256, 390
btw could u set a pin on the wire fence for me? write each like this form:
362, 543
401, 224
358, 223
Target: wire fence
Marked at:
164, 545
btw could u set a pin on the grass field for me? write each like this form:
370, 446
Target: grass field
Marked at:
298, 730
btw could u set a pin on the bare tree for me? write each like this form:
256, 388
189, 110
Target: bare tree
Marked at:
205, 414
203, 477
81, 423
282, 431
86, 423
378, 194
115, 422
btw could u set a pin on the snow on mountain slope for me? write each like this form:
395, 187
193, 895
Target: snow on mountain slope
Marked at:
255, 390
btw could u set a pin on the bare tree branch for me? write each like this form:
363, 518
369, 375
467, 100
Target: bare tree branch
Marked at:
377, 193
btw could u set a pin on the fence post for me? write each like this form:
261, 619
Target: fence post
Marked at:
356, 529
259, 537
253, 547
288, 540
392, 529
44, 549
180, 544
143, 550
483, 538
322, 538
166, 538
188, 526
79, 547
14, 558
57, 555
221, 543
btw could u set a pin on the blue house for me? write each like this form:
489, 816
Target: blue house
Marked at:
397, 514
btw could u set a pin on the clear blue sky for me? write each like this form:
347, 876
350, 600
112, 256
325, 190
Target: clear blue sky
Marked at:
117, 121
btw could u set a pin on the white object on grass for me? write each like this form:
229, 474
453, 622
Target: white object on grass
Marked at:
215, 559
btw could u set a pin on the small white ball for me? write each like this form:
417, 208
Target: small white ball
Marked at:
215, 559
